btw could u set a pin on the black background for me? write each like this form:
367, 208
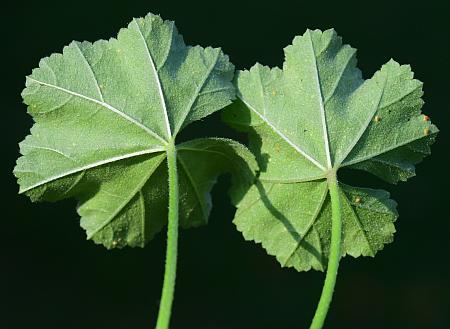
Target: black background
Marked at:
51, 277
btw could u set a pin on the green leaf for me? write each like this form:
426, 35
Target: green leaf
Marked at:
306, 121
104, 114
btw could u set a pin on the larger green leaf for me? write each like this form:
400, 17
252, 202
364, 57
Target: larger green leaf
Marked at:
104, 114
306, 121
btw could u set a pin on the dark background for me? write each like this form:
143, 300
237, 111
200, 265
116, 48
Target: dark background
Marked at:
51, 277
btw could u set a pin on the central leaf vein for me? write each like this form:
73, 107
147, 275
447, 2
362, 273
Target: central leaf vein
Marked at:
157, 80
321, 105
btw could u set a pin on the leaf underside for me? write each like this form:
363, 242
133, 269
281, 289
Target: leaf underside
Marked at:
314, 116
104, 114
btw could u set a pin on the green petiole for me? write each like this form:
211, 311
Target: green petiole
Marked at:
334, 256
165, 306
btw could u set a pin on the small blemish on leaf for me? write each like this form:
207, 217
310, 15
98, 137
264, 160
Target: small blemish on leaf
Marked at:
426, 118
358, 200
377, 118
426, 131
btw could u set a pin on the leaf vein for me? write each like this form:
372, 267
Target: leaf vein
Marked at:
358, 160
358, 222
128, 199
338, 80
156, 77
51, 150
310, 225
194, 186
84, 59
198, 90
364, 127
103, 104
166, 55
283, 136
90, 166
321, 104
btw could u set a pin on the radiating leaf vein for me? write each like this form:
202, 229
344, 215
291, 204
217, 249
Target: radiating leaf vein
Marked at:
84, 60
194, 186
338, 79
358, 222
283, 136
198, 90
90, 166
310, 225
103, 104
136, 190
372, 155
50, 150
361, 132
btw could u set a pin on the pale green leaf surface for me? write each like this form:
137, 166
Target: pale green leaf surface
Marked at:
311, 118
104, 114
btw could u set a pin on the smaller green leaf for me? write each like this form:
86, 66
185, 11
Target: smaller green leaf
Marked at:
308, 120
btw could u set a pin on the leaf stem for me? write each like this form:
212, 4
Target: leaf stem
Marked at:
165, 306
334, 255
